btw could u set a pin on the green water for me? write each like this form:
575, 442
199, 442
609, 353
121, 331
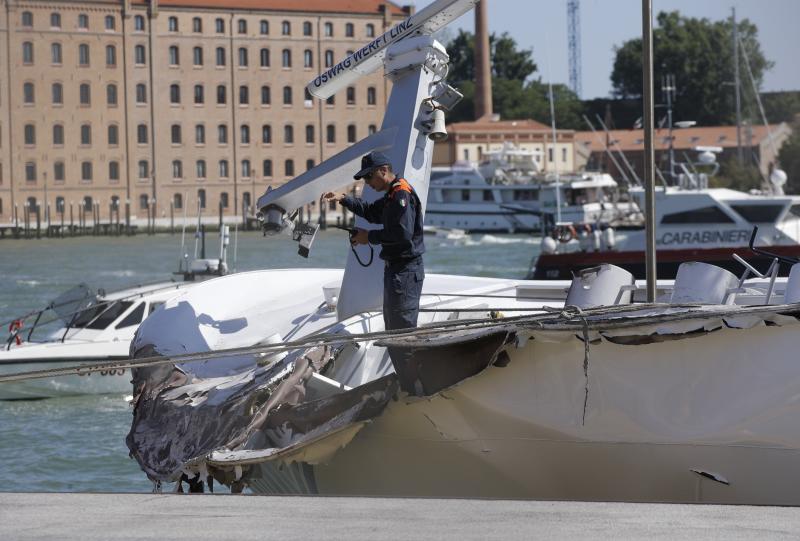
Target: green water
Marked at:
78, 444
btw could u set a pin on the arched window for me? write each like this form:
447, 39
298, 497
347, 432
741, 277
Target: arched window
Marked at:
351, 133
57, 93
83, 21
173, 24
86, 134
349, 30
177, 169
264, 27
86, 176
58, 135
200, 167
370, 30
175, 134
307, 28
266, 168
201, 198
219, 25
111, 94
222, 134
141, 134
110, 22
244, 95
28, 93
141, 93
221, 99
264, 57
288, 134
83, 55
29, 134
246, 168
56, 55
351, 95
27, 52
55, 20
113, 135
241, 25
197, 25
223, 200
223, 168
330, 133
287, 95
371, 95
200, 134
197, 56
174, 93
309, 133
174, 55
328, 58
27, 19
286, 28
88, 202
139, 56
266, 134
58, 172
144, 202
246, 200
199, 94
244, 134
289, 167
266, 98
220, 52
177, 201
30, 174
309, 164
143, 169
60, 205
242, 56
138, 23
113, 171
85, 94
308, 59
328, 30
286, 58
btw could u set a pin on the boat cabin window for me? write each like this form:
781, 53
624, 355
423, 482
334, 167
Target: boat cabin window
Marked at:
134, 318
525, 195
794, 212
465, 195
704, 215
487, 195
436, 175
759, 214
101, 316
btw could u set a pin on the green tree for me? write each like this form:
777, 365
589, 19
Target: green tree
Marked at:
516, 94
699, 53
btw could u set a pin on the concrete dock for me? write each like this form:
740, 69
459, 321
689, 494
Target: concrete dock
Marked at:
218, 517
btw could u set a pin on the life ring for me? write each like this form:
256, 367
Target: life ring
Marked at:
566, 234
14, 329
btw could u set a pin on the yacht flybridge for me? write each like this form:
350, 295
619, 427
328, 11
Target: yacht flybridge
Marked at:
87, 326
280, 381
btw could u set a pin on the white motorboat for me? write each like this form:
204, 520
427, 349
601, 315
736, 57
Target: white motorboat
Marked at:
83, 326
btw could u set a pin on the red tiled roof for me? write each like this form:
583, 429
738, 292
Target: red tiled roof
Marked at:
496, 125
713, 136
315, 6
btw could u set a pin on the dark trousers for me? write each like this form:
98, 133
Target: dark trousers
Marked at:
402, 288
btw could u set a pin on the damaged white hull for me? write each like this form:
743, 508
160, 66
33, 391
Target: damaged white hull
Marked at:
682, 403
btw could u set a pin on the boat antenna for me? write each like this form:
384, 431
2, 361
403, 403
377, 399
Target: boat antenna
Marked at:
183, 255
197, 229
235, 243
553, 128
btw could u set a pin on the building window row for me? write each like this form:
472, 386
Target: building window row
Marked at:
110, 22
87, 173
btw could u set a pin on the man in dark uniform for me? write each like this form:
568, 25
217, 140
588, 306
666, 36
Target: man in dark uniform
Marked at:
400, 212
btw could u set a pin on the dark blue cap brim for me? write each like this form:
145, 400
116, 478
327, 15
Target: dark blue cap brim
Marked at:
363, 173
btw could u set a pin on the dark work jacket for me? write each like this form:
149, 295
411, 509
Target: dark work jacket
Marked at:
400, 212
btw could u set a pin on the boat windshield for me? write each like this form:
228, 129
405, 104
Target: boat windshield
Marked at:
100, 316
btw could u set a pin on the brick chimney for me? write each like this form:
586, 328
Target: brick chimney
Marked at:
483, 73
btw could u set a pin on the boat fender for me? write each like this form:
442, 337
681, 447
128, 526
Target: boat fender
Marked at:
610, 238
566, 234
597, 238
14, 329
549, 245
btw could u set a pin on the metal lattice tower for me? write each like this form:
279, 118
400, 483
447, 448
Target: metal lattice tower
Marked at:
574, 45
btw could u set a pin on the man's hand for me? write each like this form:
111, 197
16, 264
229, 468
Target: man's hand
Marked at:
330, 195
359, 238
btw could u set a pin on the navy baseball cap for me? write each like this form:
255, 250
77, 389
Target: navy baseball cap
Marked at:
370, 162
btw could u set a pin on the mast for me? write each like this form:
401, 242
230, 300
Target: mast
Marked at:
737, 90
649, 156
